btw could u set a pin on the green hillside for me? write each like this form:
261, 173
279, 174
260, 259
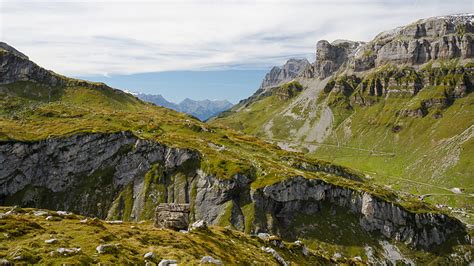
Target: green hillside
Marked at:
398, 108
421, 144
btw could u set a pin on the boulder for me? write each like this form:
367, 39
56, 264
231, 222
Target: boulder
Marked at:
149, 255
168, 263
210, 260
51, 241
198, 225
276, 255
107, 249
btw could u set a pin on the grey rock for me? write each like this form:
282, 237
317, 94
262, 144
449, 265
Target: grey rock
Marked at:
331, 56
210, 260
279, 75
115, 222
275, 255
198, 225
5, 262
300, 195
149, 255
63, 213
61, 165
51, 241
68, 251
168, 263
40, 213
264, 236
434, 38
107, 248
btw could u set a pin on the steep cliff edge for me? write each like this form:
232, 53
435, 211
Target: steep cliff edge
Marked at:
118, 176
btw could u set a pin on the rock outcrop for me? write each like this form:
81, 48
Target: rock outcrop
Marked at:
434, 38
279, 75
172, 216
331, 56
299, 195
90, 174
15, 66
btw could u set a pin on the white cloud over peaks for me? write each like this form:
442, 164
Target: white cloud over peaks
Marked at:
118, 37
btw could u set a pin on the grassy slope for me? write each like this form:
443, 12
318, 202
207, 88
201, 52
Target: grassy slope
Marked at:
24, 234
431, 155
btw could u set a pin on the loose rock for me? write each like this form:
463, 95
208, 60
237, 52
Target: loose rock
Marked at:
40, 213
276, 255
198, 225
150, 255
210, 260
51, 241
68, 251
168, 263
264, 236
107, 248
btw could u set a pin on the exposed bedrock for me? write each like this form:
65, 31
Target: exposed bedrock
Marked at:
85, 172
284, 200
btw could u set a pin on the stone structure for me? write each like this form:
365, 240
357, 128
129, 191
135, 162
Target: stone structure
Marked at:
172, 216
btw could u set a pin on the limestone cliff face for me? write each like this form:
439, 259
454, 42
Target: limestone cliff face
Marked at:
119, 176
428, 39
86, 173
415, 44
331, 56
290, 70
298, 195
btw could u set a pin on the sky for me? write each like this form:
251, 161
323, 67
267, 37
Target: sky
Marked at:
117, 40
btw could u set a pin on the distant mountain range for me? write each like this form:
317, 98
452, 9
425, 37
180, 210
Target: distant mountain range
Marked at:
203, 109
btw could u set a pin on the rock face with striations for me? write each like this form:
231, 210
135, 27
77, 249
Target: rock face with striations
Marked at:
427, 39
92, 174
299, 195
434, 38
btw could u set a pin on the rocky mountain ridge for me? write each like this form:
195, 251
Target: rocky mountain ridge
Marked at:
279, 75
398, 108
202, 109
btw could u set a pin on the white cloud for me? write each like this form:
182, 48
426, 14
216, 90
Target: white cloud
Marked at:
112, 37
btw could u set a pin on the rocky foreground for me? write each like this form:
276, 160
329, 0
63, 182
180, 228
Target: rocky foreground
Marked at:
43, 237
